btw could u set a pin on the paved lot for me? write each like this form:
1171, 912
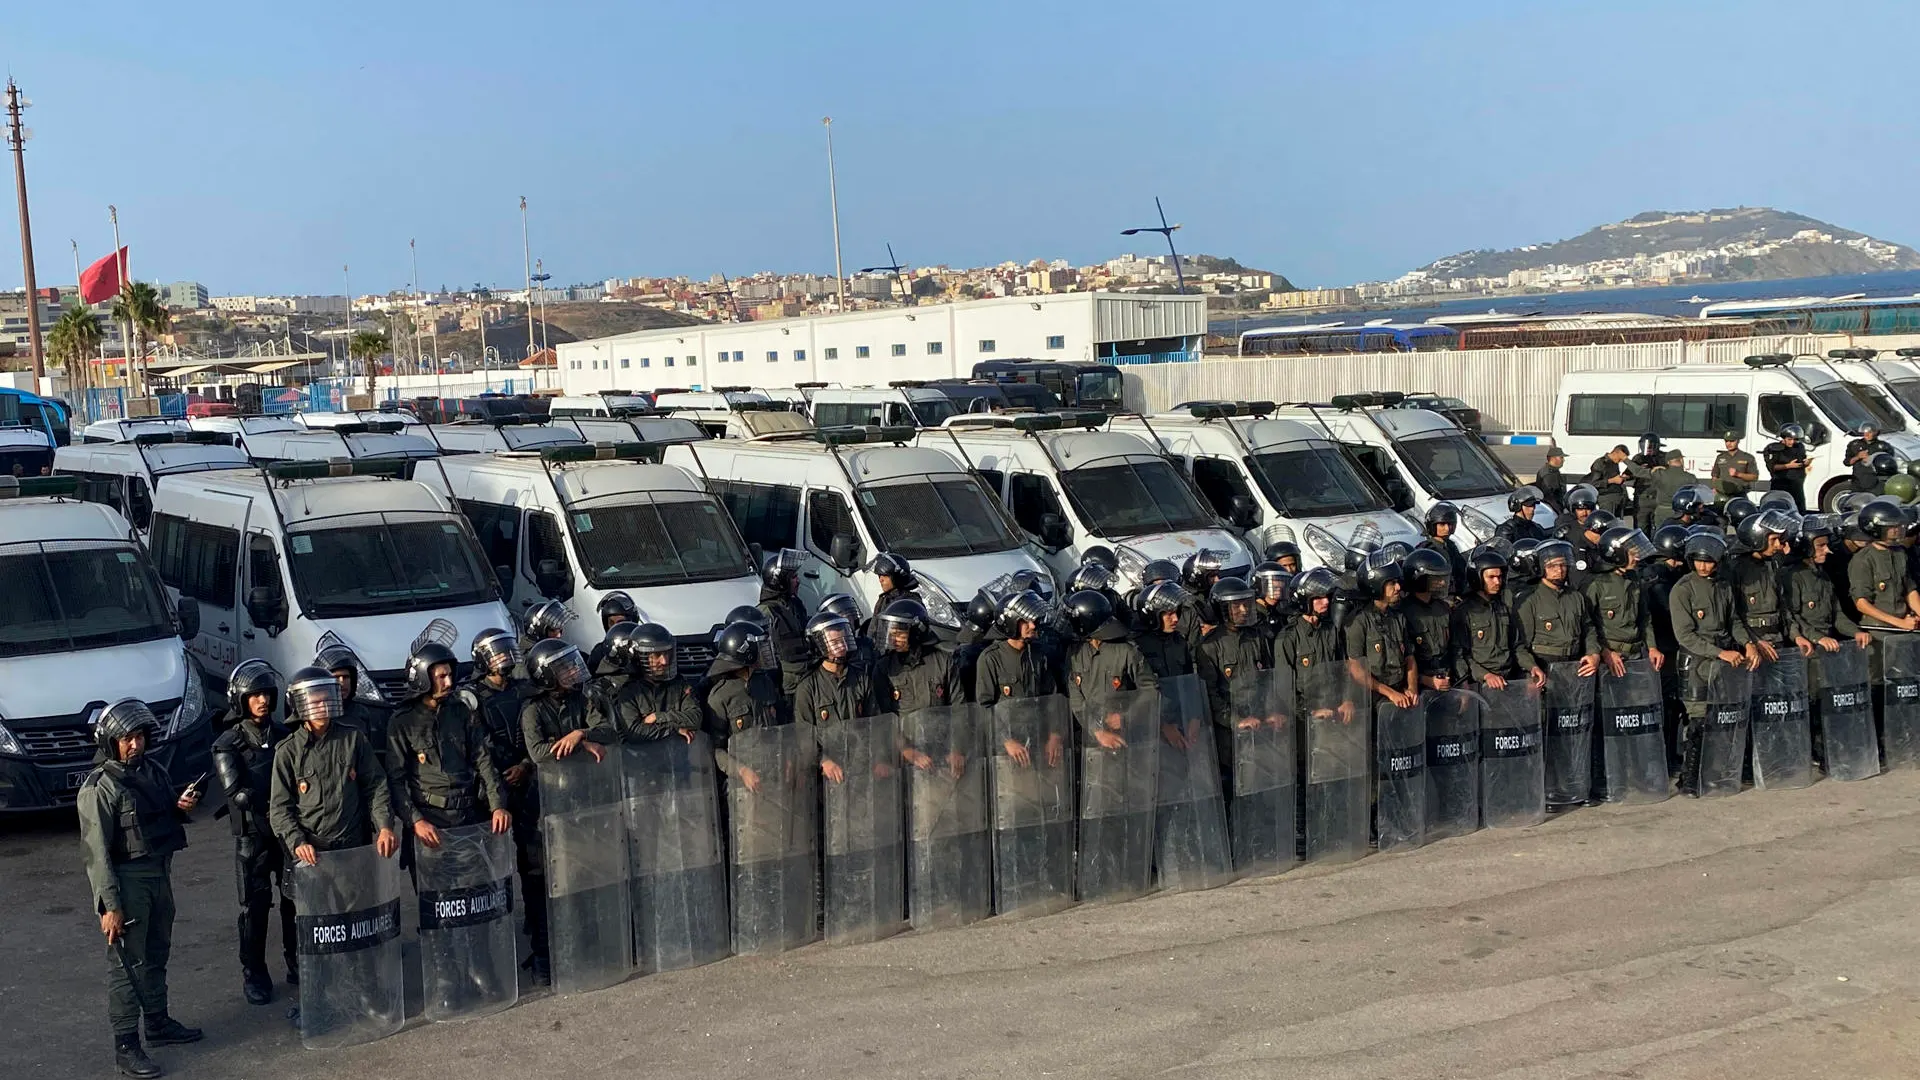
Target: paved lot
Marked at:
1771, 934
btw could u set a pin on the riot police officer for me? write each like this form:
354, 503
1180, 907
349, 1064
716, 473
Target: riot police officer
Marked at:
1272, 597
836, 689
1429, 616
1104, 662
741, 694
1441, 522
1734, 470
913, 673
1609, 475
243, 764
1379, 648
614, 668
546, 620
1010, 669
780, 603
559, 717
1556, 625
897, 581
1709, 631
1879, 576
130, 826
1622, 616
1161, 639
655, 703
1755, 573
1285, 552
1523, 502
865, 655
360, 705
1786, 459
1311, 646
438, 762
1486, 630
615, 609
1816, 617
495, 695
1232, 653
1646, 469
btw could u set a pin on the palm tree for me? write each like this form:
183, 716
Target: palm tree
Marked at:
75, 339
366, 346
139, 305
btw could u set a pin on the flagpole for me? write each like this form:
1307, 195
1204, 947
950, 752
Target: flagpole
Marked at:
84, 377
120, 256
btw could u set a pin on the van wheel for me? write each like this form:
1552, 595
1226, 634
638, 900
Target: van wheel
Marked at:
1830, 497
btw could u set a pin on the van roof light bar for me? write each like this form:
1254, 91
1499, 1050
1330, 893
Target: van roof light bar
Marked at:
201, 438
600, 451
1852, 354
27, 487
1036, 422
392, 468
1767, 360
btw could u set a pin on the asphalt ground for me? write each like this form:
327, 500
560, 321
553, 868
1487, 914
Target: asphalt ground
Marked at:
1769, 934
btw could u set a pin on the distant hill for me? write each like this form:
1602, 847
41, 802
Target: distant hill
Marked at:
565, 322
1737, 244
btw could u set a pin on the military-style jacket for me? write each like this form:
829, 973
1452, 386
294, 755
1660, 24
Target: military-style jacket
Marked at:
1379, 642
1006, 672
329, 790
1228, 656
739, 704
499, 712
1725, 464
1815, 611
787, 626
1116, 667
824, 698
127, 815
1667, 482
243, 763
1880, 576
1486, 637
439, 765
1167, 654
1553, 485
920, 678
370, 721
1429, 634
1622, 617
545, 718
1704, 619
1462, 584
1555, 624
1759, 596
673, 705
1516, 528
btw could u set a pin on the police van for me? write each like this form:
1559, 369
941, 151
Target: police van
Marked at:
905, 402
718, 399
604, 403
237, 427
1692, 406
352, 441
1418, 458
25, 451
1889, 388
844, 495
123, 475
648, 430
283, 559
359, 416
84, 622
516, 432
747, 420
126, 427
575, 523
1070, 486
1274, 479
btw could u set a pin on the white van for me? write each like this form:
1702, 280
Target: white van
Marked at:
1419, 458
1292, 477
574, 523
748, 420
84, 622
604, 403
361, 416
483, 436
719, 399
238, 426
655, 430
846, 495
123, 475
1872, 381
25, 451
289, 557
351, 441
1071, 486
1691, 406
906, 402
120, 430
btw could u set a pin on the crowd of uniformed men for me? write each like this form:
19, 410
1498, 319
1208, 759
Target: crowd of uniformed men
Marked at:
1644, 562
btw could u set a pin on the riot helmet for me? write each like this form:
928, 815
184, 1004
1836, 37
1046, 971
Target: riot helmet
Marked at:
782, 569
1100, 555
123, 718
906, 617
313, 697
654, 650
556, 666
1524, 496
1582, 497
250, 677
1621, 544
1706, 547
617, 646
1271, 583
1739, 509
1087, 611
1428, 571
495, 651
739, 644
1442, 513
1671, 541
1091, 575
1689, 500
547, 619
831, 636
895, 568
1232, 598
1021, 607
421, 664
1379, 571
1315, 584
617, 607
842, 605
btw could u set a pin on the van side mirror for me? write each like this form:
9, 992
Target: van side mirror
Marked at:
1055, 533
267, 607
1244, 514
1817, 434
844, 551
552, 580
187, 615
139, 506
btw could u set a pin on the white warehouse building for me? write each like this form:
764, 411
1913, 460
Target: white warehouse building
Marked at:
872, 348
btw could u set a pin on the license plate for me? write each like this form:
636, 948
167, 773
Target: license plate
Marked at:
76, 777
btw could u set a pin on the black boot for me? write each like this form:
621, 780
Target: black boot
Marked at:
164, 1030
542, 970
131, 1059
257, 987
1690, 761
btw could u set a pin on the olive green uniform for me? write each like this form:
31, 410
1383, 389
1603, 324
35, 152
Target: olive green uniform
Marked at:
1816, 611
1006, 672
329, 790
1486, 635
441, 769
1725, 464
920, 678
1622, 617
1310, 649
1602, 474
1760, 598
1667, 482
738, 705
1167, 654
1880, 576
824, 698
1114, 667
1556, 625
1430, 628
671, 702
1379, 642
130, 827
545, 718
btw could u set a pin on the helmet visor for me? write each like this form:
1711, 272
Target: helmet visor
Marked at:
569, 670
316, 701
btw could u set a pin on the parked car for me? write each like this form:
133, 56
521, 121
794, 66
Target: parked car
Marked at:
1452, 408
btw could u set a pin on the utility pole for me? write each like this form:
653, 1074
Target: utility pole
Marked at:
17, 139
833, 198
413, 292
526, 253
120, 256
543, 277
346, 370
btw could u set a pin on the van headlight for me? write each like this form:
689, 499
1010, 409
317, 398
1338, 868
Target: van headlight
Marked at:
1129, 564
193, 702
1478, 525
9, 745
939, 605
1331, 553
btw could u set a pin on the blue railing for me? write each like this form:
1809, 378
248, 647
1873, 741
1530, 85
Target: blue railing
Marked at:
1182, 356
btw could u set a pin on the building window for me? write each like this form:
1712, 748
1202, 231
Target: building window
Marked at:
860, 352
669, 361
986, 344
739, 356
576, 365
646, 361
693, 361
624, 363
833, 354
934, 348
899, 350
799, 354
772, 355
1056, 341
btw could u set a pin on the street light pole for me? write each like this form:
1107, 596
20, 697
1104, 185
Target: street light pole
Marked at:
526, 254
413, 253
542, 277
1166, 230
17, 139
346, 368
833, 198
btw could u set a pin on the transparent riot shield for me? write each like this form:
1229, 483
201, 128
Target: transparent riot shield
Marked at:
1191, 846
1778, 722
949, 846
469, 958
772, 791
1265, 808
1119, 779
1633, 747
1336, 728
1033, 825
1453, 763
352, 987
1400, 776
1849, 748
1721, 694
1900, 699
1567, 706
866, 864
678, 871
584, 826
1513, 774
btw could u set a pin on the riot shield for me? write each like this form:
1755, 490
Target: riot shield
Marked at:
1849, 748
1033, 849
1337, 796
469, 958
1513, 775
584, 826
352, 986
1722, 691
1900, 699
678, 879
1265, 808
772, 790
949, 847
1119, 778
866, 864
1400, 776
1191, 846
1633, 750
1566, 707
1782, 742
1453, 763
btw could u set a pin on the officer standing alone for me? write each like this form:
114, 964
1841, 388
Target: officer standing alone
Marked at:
1734, 470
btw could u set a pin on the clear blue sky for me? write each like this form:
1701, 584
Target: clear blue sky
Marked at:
257, 150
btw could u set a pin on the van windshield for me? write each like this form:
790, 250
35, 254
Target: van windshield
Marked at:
1908, 393
380, 564
1099, 388
1842, 408
1134, 498
669, 539
938, 518
1452, 466
930, 411
1317, 481
63, 595
1877, 404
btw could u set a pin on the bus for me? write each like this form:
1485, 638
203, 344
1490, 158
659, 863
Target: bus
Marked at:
1853, 314
23, 407
1332, 338
1078, 385
1494, 331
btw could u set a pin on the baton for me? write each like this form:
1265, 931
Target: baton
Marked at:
127, 964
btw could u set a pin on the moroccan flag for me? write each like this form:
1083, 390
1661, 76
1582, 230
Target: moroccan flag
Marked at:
101, 281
